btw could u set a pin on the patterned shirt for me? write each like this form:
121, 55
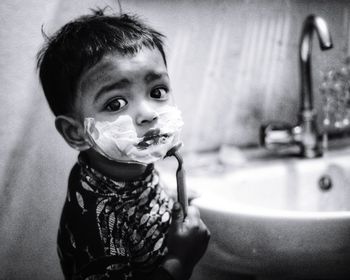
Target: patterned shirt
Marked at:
113, 229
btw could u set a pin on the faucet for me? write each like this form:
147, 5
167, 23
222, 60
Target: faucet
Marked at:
305, 134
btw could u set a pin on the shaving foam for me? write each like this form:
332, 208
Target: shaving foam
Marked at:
118, 140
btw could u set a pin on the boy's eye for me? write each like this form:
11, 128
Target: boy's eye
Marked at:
116, 104
159, 93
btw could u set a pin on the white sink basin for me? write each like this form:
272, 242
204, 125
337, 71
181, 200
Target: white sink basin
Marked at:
273, 219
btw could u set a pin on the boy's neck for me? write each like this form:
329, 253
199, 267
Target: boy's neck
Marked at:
115, 170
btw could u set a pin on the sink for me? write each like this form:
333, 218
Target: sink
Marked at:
279, 218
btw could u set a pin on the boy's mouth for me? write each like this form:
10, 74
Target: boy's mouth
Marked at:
152, 137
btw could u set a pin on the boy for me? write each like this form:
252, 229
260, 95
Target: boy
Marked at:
106, 81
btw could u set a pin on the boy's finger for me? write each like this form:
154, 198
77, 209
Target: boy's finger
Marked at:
205, 228
177, 213
193, 212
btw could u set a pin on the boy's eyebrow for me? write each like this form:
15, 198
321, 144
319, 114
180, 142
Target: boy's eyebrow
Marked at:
152, 76
123, 83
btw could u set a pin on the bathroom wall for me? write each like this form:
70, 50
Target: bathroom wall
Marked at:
233, 64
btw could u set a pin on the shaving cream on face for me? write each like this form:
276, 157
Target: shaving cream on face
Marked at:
118, 140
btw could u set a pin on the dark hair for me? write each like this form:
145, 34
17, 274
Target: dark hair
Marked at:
80, 44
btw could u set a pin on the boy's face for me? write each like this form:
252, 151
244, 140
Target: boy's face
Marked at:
134, 85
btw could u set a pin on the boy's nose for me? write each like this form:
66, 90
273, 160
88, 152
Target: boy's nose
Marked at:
146, 115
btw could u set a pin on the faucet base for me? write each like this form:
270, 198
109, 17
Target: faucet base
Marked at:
311, 153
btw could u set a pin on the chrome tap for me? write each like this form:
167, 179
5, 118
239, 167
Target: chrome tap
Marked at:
305, 134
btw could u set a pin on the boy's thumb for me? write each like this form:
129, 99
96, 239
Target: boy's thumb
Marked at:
178, 214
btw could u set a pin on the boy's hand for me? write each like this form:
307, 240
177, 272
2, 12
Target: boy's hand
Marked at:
187, 242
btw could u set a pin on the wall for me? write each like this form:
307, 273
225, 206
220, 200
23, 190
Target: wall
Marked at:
234, 64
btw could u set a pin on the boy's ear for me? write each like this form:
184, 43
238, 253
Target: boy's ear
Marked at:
72, 131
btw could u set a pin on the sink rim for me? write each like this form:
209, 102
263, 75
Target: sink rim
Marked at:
261, 212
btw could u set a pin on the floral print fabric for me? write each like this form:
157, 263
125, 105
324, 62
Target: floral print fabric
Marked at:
113, 229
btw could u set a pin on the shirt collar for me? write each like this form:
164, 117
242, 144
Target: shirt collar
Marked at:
93, 180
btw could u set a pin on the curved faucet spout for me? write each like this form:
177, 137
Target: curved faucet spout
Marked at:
312, 23
305, 134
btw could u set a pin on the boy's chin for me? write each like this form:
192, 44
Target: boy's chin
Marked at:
100, 158
118, 170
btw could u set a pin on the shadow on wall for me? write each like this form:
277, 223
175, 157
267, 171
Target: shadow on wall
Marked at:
233, 65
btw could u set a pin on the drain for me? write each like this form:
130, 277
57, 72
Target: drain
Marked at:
325, 183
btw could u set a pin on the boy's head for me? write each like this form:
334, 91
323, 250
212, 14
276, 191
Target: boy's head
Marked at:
83, 42
105, 79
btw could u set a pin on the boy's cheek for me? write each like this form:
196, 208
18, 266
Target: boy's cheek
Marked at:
171, 99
